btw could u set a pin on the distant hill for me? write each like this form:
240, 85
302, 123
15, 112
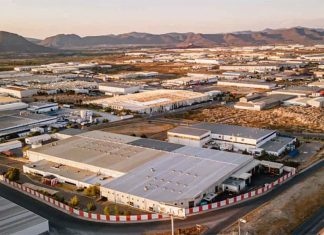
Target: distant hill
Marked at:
14, 43
300, 35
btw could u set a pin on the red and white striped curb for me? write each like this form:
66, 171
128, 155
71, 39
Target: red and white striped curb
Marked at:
149, 217
89, 215
239, 198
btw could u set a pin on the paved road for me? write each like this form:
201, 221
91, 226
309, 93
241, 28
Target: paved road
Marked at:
60, 223
312, 225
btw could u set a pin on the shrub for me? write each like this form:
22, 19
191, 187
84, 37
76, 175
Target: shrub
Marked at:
91, 206
116, 210
12, 174
106, 210
92, 191
74, 201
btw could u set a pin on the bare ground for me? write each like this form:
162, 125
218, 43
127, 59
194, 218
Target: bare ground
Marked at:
286, 211
282, 118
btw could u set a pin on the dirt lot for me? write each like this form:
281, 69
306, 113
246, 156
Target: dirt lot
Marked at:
286, 211
150, 129
282, 118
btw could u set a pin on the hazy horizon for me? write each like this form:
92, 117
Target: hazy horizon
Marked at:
44, 18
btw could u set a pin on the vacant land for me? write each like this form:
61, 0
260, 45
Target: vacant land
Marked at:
286, 211
283, 118
148, 129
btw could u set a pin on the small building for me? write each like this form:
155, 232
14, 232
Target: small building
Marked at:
189, 136
17, 91
317, 102
8, 103
249, 84
118, 88
274, 168
49, 180
37, 139
10, 145
42, 107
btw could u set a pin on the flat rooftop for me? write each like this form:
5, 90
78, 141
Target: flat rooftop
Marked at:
177, 176
15, 219
232, 130
118, 85
274, 145
149, 99
184, 130
69, 172
7, 99
149, 168
14, 119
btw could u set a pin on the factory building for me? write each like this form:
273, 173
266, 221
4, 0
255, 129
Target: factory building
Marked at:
42, 107
300, 91
18, 92
191, 79
230, 137
20, 123
259, 101
146, 174
118, 88
152, 101
8, 103
248, 84
250, 68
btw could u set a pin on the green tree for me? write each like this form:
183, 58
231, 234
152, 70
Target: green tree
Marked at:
74, 201
12, 174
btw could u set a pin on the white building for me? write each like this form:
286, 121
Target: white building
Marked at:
191, 79
248, 84
189, 136
42, 107
250, 68
8, 103
10, 145
19, 92
230, 137
152, 101
118, 88
37, 139
146, 174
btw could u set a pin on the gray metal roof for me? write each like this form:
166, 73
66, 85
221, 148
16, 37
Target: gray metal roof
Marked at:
232, 130
15, 219
276, 144
175, 177
185, 130
156, 144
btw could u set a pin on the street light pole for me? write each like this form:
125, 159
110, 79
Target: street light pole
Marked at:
172, 225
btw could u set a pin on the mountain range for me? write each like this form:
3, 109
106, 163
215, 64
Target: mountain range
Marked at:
307, 36
14, 43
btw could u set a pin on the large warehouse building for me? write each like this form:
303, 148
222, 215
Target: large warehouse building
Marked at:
152, 101
147, 174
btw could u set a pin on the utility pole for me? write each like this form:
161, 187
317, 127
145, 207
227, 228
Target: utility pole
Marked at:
239, 225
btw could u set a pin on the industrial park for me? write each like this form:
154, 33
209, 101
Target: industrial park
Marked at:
176, 133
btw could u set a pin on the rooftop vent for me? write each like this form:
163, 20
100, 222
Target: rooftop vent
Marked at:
145, 188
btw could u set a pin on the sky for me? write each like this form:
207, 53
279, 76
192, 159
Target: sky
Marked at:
43, 18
